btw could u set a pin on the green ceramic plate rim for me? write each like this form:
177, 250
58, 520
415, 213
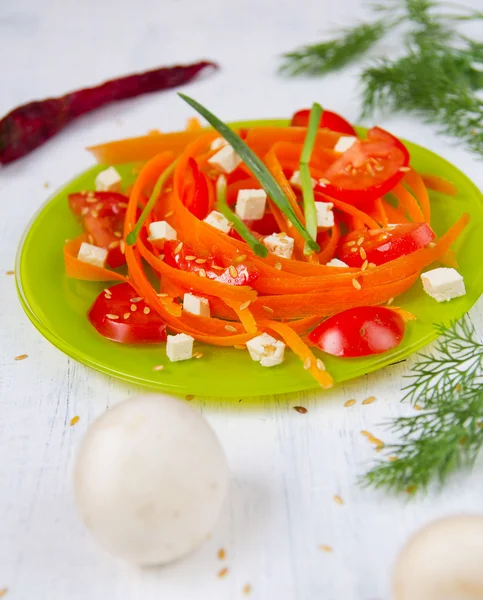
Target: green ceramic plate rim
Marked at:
377, 362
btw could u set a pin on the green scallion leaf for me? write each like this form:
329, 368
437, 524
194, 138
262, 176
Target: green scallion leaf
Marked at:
238, 225
256, 166
307, 189
163, 178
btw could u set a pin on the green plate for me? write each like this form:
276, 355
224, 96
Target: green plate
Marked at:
57, 305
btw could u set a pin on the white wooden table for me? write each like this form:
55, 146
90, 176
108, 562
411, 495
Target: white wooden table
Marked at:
286, 467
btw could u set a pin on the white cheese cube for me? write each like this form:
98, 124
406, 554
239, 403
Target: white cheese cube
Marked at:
344, 143
92, 255
108, 181
325, 216
161, 230
266, 350
196, 305
443, 284
216, 219
296, 179
335, 262
279, 244
226, 159
218, 143
250, 204
179, 347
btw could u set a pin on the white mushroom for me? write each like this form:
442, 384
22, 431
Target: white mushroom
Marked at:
443, 561
150, 479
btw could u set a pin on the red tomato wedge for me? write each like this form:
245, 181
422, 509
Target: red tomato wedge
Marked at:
102, 216
369, 169
212, 267
196, 198
123, 317
360, 331
379, 246
330, 120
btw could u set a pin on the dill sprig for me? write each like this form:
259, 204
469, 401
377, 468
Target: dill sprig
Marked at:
448, 433
437, 77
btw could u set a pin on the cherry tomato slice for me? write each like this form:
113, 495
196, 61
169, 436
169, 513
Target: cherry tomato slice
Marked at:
382, 245
213, 266
330, 120
369, 169
132, 325
360, 331
102, 216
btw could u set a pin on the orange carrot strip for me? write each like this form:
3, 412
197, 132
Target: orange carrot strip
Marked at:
408, 203
78, 269
245, 316
439, 184
349, 209
381, 212
395, 216
415, 182
328, 252
261, 139
310, 361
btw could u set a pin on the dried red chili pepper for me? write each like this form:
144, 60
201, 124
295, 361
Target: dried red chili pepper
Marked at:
29, 126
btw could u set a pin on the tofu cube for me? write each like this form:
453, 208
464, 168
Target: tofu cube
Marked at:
108, 181
250, 204
93, 255
218, 143
179, 347
297, 180
266, 350
196, 305
335, 262
279, 244
443, 284
225, 160
216, 219
161, 230
325, 216
344, 143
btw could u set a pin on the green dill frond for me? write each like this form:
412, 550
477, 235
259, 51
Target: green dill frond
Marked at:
317, 59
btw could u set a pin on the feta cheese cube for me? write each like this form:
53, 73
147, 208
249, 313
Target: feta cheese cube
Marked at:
108, 181
216, 219
325, 216
297, 180
92, 255
344, 143
266, 350
218, 143
179, 347
279, 244
226, 159
161, 230
335, 262
250, 204
196, 305
443, 284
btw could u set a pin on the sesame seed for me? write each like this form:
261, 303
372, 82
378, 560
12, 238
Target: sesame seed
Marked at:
320, 365
162, 295
74, 420
307, 363
360, 240
350, 402
199, 355
240, 259
9, 272
356, 284
364, 265
233, 271
126, 315
111, 316
338, 500
161, 256
382, 237
366, 433
278, 266
218, 267
170, 213
300, 409
158, 368
354, 250
118, 234
122, 246
137, 299
230, 328
371, 265
221, 554
113, 244
178, 248
21, 357
146, 310
369, 169
200, 261
245, 305
107, 291
369, 400
202, 273
247, 588
94, 213
363, 253
189, 397
190, 257
133, 308
99, 206
268, 309
91, 199
431, 245
90, 238
84, 211
352, 243
223, 572
239, 347
404, 169
325, 548
323, 182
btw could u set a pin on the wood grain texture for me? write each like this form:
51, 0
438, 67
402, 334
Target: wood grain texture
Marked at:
287, 467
